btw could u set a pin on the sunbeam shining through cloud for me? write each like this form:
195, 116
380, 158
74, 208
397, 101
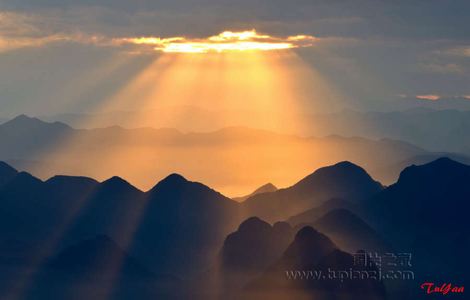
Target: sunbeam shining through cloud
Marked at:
223, 149
226, 41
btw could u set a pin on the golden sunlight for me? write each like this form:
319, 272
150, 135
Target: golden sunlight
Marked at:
263, 90
226, 41
238, 82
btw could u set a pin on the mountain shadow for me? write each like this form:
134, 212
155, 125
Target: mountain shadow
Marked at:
313, 214
294, 275
97, 268
250, 250
178, 226
350, 232
97, 259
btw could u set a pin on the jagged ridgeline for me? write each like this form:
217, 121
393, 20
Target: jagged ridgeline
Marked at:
82, 238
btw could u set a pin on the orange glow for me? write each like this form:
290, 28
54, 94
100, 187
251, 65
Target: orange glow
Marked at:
263, 90
430, 97
227, 41
232, 86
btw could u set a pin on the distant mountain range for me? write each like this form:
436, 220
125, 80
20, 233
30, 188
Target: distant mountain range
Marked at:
433, 130
145, 154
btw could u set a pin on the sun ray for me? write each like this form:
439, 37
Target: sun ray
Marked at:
227, 41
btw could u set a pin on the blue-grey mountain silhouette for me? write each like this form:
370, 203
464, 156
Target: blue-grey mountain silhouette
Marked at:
313, 214
350, 232
7, 173
343, 180
315, 252
178, 227
47, 149
266, 188
427, 202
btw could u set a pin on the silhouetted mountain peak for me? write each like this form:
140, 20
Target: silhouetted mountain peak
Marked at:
116, 188
254, 224
255, 245
311, 239
346, 164
268, 187
315, 213
344, 175
444, 160
66, 180
340, 169
342, 219
171, 181
308, 247
349, 231
175, 196
23, 119
306, 232
118, 183
444, 163
26, 122
344, 180
442, 170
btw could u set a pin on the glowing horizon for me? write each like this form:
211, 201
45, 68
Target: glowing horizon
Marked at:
227, 41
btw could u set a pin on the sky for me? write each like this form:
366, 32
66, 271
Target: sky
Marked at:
64, 56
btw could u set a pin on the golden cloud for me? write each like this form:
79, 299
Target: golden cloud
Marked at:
428, 97
22, 31
227, 41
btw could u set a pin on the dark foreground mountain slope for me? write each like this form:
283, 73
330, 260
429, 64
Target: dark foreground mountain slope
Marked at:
247, 252
313, 214
433, 196
97, 268
390, 173
426, 213
178, 226
350, 232
7, 173
97, 258
183, 225
312, 251
343, 180
255, 245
